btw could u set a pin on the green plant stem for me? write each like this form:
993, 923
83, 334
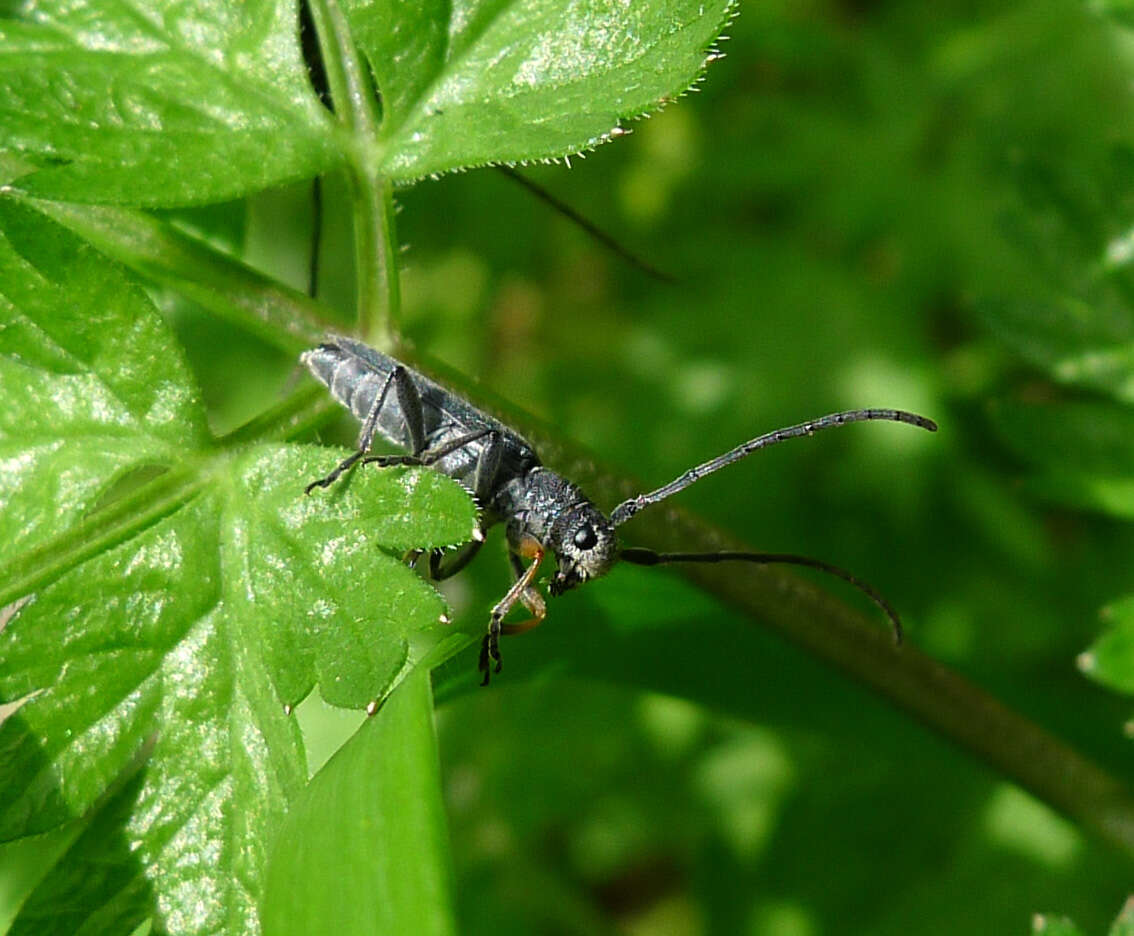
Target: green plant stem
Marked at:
939, 697
102, 530
158, 251
379, 292
323, 15
375, 241
299, 412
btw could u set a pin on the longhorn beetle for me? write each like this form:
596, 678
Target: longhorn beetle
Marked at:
543, 512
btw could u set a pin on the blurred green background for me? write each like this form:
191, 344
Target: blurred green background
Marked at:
924, 206
866, 204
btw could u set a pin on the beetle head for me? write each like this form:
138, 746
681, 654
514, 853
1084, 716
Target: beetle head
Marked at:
585, 547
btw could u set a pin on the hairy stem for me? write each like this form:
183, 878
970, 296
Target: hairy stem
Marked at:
327, 19
379, 293
230, 289
375, 241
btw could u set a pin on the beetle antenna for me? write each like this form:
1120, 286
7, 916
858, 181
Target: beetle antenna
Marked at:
588, 226
628, 508
647, 557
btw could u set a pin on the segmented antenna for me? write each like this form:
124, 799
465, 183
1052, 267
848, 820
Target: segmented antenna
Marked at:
647, 557
627, 509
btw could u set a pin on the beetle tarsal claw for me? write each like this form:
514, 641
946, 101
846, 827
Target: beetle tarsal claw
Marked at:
490, 653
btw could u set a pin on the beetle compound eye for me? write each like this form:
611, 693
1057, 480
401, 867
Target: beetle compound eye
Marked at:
585, 536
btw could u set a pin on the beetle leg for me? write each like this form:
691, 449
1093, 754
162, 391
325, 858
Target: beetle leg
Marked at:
490, 648
439, 569
530, 598
409, 399
534, 602
487, 467
429, 457
365, 437
484, 480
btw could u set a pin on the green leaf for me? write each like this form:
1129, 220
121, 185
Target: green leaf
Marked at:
1084, 451
203, 629
318, 612
1089, 437
479, 81
187, 642
165, 104
1110, 659
97, 863
365, 849
25, 862
1077, 342
91, 385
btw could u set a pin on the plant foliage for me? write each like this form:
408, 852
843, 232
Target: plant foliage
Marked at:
175, 595
871, 205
